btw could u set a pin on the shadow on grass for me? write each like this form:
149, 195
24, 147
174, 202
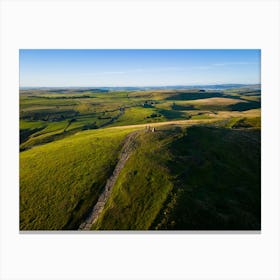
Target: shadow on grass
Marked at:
217, 181
26, 133
195, 95
244, 106
172, 114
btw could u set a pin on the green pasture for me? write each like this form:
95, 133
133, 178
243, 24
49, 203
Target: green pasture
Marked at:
61, 181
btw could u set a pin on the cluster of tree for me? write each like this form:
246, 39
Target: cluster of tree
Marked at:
48, 116
63, 97
154, 115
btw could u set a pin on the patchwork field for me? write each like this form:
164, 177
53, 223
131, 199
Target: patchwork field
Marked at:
193, 161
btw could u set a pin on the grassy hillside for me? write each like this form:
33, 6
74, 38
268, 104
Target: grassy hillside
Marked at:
217, 178
199, 170
61, 181
142, 187
194, 178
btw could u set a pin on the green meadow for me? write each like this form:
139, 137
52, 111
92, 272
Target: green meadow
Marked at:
198, 170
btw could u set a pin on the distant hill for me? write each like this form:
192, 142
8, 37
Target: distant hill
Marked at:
106, 89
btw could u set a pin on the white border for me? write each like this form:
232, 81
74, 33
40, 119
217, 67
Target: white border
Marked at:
134, 24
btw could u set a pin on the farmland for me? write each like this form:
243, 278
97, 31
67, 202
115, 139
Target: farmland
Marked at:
198, 170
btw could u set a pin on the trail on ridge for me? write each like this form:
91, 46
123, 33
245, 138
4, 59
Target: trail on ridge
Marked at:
98, 207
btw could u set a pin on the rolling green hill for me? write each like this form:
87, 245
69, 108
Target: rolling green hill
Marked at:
194, 178
61, 181
200, 169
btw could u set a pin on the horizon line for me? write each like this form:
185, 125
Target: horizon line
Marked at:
92, 86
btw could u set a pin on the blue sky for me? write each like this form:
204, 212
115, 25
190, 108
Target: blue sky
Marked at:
55, 68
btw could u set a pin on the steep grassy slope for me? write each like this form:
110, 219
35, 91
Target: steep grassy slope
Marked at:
198, 178
60, 181
142, 187
217, 179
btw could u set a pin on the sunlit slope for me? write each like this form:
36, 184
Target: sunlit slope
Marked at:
61, 181
143, 184
186, 179
48, 116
